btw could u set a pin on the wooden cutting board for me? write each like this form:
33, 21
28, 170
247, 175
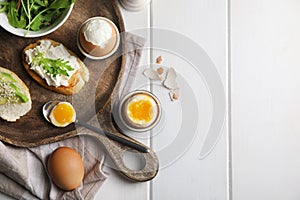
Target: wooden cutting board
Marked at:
92, 103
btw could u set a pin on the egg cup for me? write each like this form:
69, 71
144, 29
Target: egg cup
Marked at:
127, 122
110, 52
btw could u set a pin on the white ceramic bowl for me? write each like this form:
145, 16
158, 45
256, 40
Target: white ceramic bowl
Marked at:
31, 34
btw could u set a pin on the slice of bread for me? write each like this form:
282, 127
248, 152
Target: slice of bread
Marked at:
76, 82
13, 111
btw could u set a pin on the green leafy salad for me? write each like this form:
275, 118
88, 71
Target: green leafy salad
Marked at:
33, 14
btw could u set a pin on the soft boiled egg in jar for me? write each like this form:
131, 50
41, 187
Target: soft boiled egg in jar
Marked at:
62, 114
140, 111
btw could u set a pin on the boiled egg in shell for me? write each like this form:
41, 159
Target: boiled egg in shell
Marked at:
98, 37
62, 114
142, 110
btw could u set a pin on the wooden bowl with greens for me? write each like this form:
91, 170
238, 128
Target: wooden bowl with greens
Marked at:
34, 18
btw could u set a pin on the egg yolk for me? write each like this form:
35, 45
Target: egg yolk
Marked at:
63, 113
140, 110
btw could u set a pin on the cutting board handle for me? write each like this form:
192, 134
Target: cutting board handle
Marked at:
116, 152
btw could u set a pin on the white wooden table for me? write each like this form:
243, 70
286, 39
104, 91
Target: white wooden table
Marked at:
185, 176
254, 45
265, 133
204, 22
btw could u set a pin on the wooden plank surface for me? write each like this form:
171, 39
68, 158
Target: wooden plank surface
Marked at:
188, 177
265, 47
265, 85
116, 187
10, 58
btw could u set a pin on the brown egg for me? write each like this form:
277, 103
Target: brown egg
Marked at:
95, 50
66, 168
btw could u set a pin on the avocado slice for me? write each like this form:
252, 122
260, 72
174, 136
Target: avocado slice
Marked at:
18, 93
3, 100
5, 77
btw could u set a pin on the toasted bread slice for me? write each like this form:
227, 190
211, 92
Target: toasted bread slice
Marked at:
13, 111
76, 82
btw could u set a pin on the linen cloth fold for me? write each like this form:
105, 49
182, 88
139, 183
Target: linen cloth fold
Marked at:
23, 173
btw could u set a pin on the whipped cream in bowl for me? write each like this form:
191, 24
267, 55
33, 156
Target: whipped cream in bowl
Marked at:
98, 38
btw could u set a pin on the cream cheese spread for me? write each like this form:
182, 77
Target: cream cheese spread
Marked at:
98, 32
54, 53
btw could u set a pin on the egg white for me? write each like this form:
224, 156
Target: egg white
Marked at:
58, 124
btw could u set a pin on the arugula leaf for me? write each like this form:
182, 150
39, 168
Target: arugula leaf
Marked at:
35, 25
34, 14
53, 67
58, 4
13, 16
41, 3
3, 7
48, 16
35, 9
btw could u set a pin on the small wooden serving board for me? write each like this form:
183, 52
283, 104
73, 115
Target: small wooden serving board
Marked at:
92, 102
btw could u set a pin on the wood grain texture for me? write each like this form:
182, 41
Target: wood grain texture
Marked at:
92, 103
116, 150
32, 129
265, 99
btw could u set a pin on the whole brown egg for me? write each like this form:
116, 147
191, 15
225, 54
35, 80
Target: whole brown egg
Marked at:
66, 168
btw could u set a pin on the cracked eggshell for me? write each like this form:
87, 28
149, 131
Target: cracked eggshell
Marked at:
159, 60
174, 95
152, 74
170, 82
160, 70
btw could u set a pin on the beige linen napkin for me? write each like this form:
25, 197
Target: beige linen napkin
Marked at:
23, 172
